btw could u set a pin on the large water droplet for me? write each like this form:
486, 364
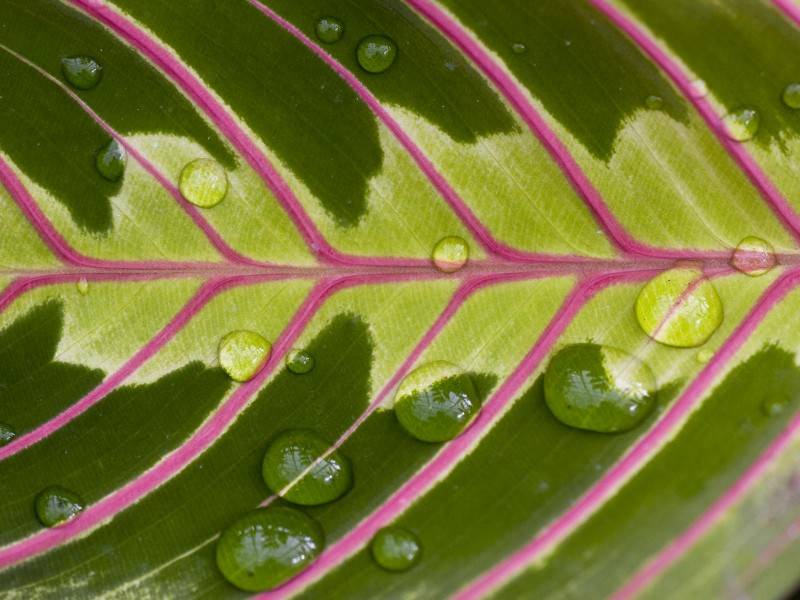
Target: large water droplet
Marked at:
204, 182
742, 124
679, 307
242, 354
376, 53
329, 30
519, 48
82, 72
83, 286
7, 434
267, 547
791, 95
598, 388
654, 102
436, 402
56, 505
450, 254
293, 453
110, 160
395, 548
299, 362
754, 256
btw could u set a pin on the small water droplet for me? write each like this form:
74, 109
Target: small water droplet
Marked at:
450, 254
699, 88
329, 30
436, 402
754, 256
395, 548
704, 356
376, 53
299, 362
267, 547
518, 48
654, 102
56, 505
772, 407
598, 388
295, 451
7, 434
791, 95
83, 286
679, 307
110, 160
82, 72
742, 124
242, 353
204, 182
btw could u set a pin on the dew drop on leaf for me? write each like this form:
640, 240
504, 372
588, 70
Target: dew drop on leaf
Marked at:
266, 547
598, 388
83, 286
299, 362
679, 307
376, 53
742, 124
204, 182
654, 102
297, 454
395, 548
699, 88
110, 160
7, 434
772, 407
754, 256
242, 354
704, 355
82, 72
329, 30
436, 402
518, 48
450, 254
791, 95
56, 505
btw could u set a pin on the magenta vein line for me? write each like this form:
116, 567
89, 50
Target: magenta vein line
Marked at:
769, 192
638, 456
453, 451
789, 9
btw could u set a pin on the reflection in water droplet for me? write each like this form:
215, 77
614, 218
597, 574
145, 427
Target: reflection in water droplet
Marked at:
266, 547
679, 307
519, 48
703, 356
7, 434
742, 124
242, 354
395, 548
699, 88
329, 30
56, 505
110, 160
204, 182
83, 286
791, 95
82, 72
654, 102
299, 362
598, 388
436, 402
295, 451
754, 256
450, 254
376, 53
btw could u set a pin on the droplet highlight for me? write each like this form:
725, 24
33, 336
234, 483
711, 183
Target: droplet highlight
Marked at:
742, 124
754, 256
598, 388
110, 160
329, 30
7, 434
204, 182
791, 95
56, 505
654, 102
436, 402
679, 307
242, 353
395, 549
450, 254
267, 547
772, 407
83, 286
519, 48
82, 72
376, 53
300, 362
296, 457
699, 88
703, 356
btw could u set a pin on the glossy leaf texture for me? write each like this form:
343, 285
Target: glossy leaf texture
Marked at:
226, 220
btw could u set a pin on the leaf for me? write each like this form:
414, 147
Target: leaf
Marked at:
579, 149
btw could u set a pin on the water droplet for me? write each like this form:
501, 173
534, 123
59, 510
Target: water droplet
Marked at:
110, 160
436, 402
598, 388
519, 48
754, 256
395, 548
82, 72
679, 307
742, 124
699, 88
376, 53
791, 95
83, 286
772, 407
654, 102
704, 356
450, 254
295, 451
204, 182
242, 354
56, 505
267, 547
299, 362
329, 30
7, 434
